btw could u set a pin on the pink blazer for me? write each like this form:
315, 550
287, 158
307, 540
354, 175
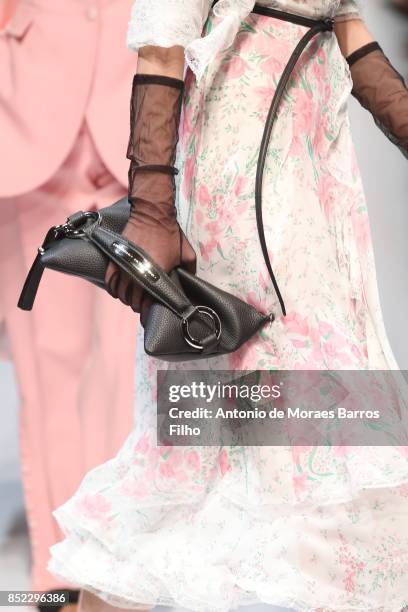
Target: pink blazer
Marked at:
62, 61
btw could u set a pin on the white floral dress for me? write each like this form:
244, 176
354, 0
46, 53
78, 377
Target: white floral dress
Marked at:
210, 528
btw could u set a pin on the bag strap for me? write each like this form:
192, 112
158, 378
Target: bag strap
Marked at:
137, 264
154, 280
318, 26
315, 27
30, 288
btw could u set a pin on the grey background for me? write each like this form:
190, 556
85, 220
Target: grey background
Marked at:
386, 182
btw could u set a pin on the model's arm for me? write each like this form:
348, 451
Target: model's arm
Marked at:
352, 35
376, 84
161, 60
159, 32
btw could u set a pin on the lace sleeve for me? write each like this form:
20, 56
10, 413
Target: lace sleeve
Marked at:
166, 23
347, 10
180, 22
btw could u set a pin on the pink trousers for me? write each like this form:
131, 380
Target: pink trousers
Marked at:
73, 354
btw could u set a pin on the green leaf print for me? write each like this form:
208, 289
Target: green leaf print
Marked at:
246, 27
219, 249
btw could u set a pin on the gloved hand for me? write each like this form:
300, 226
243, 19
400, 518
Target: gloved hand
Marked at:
381, 89
155, 116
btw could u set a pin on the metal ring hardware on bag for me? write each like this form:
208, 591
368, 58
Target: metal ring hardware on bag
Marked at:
69, 230
217, 327
316, 26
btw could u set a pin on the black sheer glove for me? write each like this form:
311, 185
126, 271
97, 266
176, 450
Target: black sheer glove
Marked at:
155, 116
382, 90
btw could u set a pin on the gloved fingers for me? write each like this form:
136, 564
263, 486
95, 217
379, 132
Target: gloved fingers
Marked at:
129, 293
147, 301
111, 280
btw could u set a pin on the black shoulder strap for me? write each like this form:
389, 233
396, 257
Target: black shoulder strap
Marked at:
315, 27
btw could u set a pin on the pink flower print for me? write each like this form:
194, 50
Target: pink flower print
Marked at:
321, 134
207, 248
272, 45
193, 460
181, 476
326, 195
265, 95
166, 470
240, 184
94, 506
314, 337
295, 324
143, 444
302, 112
175, 458
357, 353
296, 146
351, 563
348, 581
234, 66
298, 451
216, 228
319, 65
135, 488
253, 299
277, 56
361, 229
300, 483
325, 329
186, 126
188, 170
262, 281
332, 349
224, 462
203, 196
165, 449
199, 217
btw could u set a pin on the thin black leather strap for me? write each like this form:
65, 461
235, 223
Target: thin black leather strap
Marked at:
315, 27
319, 26
301, 20
30, 288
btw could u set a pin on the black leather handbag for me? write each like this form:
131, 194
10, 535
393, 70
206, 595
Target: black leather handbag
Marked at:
189, 318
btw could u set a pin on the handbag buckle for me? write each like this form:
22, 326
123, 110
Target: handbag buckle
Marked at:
211, 314
69, 230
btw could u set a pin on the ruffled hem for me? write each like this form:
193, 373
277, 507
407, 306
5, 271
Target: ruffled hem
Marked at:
229, 545
191, 560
